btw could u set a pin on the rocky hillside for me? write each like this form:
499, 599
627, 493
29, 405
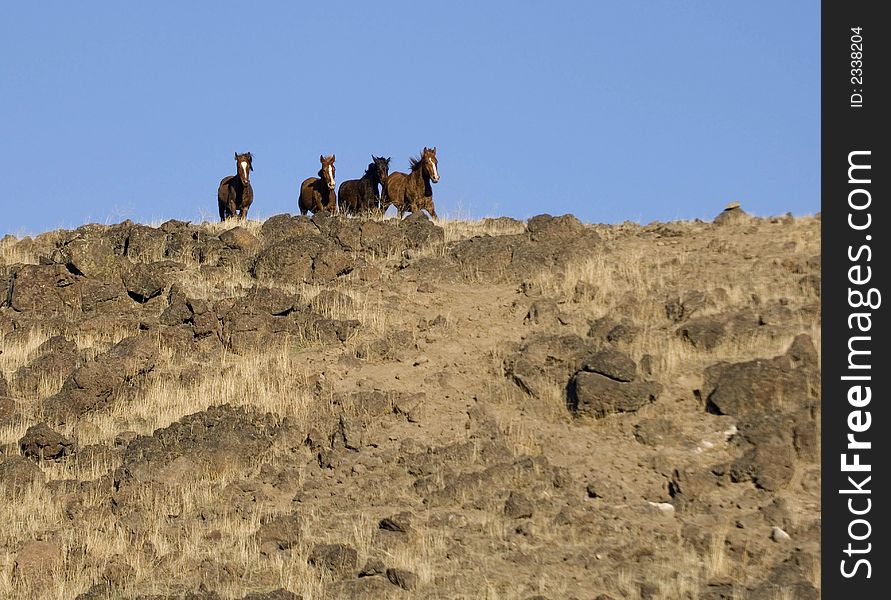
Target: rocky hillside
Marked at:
335, 408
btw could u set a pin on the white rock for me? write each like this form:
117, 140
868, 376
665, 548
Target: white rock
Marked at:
778, 535
666, 508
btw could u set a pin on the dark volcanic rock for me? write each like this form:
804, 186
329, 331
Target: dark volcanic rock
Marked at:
548, 228
280, 227
597, 395
42, 443
703, 333
94, 256
45, 290
9, 408
281, 533
278, 594
407, 580
239, 238
17, 473
340, 559
142, 282
790, 380
613, 364
95, 384
220, 439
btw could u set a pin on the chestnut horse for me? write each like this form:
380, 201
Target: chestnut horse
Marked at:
412, 192
317, 193
361, 196
235, 192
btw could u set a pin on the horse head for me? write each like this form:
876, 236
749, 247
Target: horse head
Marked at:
327, 170
382, 166
430, 164
244, 164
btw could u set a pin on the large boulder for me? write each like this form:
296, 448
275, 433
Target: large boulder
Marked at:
42, 443
96, 384
597, 395
219, 440
93, 256
44, 290
785, 382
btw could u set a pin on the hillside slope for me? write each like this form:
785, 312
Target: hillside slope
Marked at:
335, 408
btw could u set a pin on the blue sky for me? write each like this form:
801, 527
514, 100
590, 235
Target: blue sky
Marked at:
612, 111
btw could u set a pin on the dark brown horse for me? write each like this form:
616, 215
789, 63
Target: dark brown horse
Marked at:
361, 196
412, 192
235, 193
317, 193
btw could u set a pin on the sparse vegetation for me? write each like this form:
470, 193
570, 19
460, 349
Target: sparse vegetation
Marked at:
486, 411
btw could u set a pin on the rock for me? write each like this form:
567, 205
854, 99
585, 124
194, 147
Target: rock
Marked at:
280, 227
419, 232
278, 594
9, 409
373, 566
340, 559
45, 290
401, 522
778, 535
703, 333
93, 256
290, 259
95, 384
613, 364
220, 440
731, 215
596, 395
681, 308
146, 244
239, 238
405, 579
548, 228
42, 443
17, 473
280, 533
518, 506
763, 385
142, 283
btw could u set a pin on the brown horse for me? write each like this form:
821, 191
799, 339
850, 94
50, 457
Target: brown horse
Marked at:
412, 192
317, 193
235, 192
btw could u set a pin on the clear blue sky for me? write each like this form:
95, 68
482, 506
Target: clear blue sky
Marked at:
613, 111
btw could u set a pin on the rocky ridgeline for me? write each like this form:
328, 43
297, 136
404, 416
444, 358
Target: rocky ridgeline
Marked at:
411, 477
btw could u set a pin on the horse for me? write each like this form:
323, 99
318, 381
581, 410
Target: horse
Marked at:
317, 193
360, 196
235, 193
412, 192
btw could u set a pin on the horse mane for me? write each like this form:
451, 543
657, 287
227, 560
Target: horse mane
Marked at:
415, 163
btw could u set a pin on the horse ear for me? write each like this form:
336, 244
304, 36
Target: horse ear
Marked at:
388, 160
321, 158
434, 150
332, 158
236, 156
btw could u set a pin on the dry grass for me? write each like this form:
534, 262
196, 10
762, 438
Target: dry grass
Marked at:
180, 535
